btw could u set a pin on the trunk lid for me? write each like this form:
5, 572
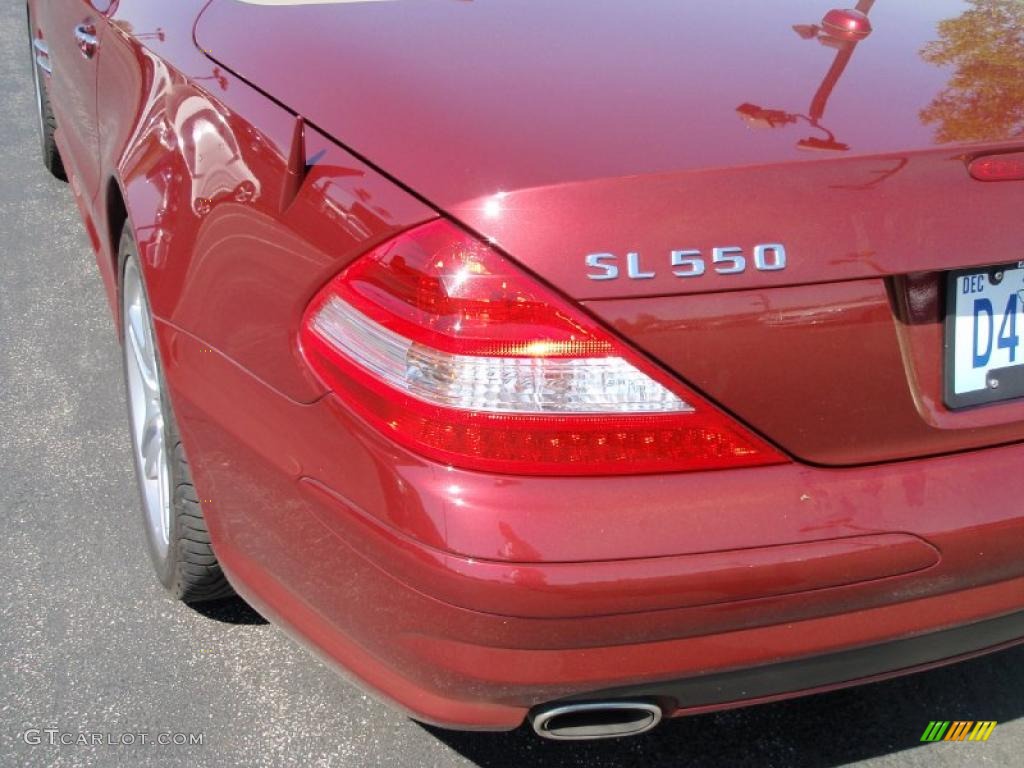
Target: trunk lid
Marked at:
632, 130
565, 129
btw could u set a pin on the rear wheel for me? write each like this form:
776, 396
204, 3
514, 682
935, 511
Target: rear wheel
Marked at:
176, 533
46, 122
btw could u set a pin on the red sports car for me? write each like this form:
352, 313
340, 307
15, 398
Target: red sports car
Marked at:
582, 363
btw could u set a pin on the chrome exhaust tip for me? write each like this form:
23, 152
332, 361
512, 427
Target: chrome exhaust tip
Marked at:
595, 720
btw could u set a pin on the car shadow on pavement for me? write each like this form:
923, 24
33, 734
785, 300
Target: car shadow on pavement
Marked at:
229, 610
831, 729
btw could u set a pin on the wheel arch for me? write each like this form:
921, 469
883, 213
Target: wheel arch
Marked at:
116, 217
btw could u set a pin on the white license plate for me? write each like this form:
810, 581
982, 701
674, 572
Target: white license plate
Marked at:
985, 335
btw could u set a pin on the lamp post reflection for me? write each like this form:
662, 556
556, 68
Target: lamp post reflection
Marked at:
841, 30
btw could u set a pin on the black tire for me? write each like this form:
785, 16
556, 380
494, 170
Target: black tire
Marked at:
46, 121
189, 569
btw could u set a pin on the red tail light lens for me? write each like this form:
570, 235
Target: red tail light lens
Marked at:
442, 343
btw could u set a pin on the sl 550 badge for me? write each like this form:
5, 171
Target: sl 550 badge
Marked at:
725, 260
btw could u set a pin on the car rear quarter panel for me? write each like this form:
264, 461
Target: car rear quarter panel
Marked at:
232, 249
230, 273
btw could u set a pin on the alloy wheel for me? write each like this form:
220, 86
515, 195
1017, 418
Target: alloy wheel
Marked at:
146, 408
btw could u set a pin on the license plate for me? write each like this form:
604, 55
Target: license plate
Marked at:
985, 335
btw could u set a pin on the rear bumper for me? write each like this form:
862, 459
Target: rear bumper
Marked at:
468, 599
476, 644
464, 669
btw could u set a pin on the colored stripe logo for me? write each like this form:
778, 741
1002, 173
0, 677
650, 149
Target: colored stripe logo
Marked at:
958, 730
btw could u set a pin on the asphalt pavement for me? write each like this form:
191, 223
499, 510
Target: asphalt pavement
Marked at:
92, 650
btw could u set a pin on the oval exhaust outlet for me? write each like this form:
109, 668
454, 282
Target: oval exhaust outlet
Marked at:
596, 720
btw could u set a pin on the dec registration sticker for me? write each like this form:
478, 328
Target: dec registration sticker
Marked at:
984, 330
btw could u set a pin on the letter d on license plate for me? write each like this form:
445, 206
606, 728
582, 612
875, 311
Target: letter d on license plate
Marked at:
984, 334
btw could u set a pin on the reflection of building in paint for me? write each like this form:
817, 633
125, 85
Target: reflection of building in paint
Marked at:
150, 142
158, 88
215, 164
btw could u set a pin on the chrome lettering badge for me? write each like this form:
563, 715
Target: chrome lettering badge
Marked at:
725, 260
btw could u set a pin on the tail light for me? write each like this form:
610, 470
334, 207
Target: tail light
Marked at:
457, 354
1003, 167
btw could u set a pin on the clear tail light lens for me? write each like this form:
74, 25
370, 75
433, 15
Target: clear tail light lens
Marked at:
456, 353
